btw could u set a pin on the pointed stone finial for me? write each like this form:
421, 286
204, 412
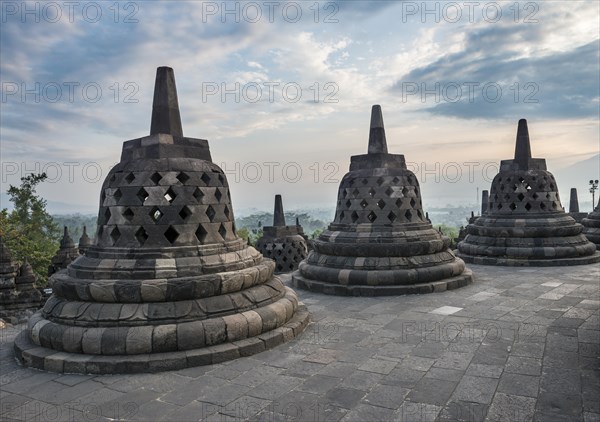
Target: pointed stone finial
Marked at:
472, 214
297, 221
573, 201
522, 147
377, 141
485, 198
165, 108
278, 217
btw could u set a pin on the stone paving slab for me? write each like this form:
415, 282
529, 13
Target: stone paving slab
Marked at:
519, 344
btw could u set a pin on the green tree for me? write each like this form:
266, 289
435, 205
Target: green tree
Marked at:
28, 231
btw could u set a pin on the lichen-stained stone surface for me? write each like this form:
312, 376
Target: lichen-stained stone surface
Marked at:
380, 242
591, 226
168, 283
525, 223
284, 244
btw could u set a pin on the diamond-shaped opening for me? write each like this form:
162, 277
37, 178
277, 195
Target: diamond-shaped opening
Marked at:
355, 192
528, 206
392, 217
521, 180
364, 203
143, 195
205, 178
508, 179
128, 214
279, 252
218, 194
107, 215
222, 231
156, 178
171, 234
198, 194
502, 188
354, 217
552, 186
185, 213
372, 216
499, 206
113, 177
117, 195
381, 204
527, 186
515, 187
507, 197
554, 205
389, 191
365, 181
226, 212
115, 234
535, 195
348, 203
404, 191
542, 206
395, 180
210, 213
221, 178
413, 202
521, 196
155, 214
170, 195
372, 192
100, 231
512, 206
344, 193
380, 181
342, 215
182, 177
351, 182
420, 214
398, 202
141, 236
548, 196
130, 178
409, 179
284, 259
408, 215
201, 233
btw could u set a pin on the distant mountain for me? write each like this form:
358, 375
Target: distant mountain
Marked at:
56, 207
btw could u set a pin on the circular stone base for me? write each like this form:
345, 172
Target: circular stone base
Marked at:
34, 356
388, 290
514, 262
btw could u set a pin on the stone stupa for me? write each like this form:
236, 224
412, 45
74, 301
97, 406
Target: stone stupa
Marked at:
283, 244
66, 253
525, 224
380, 242
84, 242
168, 283
574, 207
17, 285
591, 226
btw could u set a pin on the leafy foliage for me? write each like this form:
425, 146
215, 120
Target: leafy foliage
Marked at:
28, 231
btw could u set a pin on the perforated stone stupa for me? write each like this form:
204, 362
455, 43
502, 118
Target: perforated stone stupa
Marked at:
591, 226
380, 242
283, 244
168, 283
66, 253
525, 223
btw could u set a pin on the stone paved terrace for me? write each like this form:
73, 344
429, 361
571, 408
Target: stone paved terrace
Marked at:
516, 345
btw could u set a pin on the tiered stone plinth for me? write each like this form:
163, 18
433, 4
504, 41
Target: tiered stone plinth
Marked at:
66, 254
591, 226
380, 242
283, 244
168, 284
525, 223
17, 285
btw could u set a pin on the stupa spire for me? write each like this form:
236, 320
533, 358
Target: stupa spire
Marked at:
278, 217
165, 107
377, 141
523, 146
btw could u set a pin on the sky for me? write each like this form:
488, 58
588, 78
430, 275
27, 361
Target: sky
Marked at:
282, 90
